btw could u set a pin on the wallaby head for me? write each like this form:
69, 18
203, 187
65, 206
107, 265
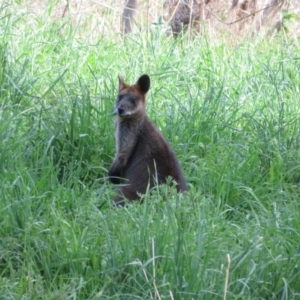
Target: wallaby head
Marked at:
131, 98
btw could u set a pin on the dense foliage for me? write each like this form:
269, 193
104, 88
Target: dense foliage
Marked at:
230, 113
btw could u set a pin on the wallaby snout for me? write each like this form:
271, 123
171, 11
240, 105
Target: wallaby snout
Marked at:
120, 111
129, 104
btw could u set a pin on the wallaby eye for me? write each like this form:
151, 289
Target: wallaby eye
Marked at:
133, 101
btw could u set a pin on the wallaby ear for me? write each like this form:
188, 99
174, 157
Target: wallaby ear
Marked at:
122, 84
144, 83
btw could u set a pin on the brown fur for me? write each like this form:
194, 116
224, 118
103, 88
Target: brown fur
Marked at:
186, 13
143, 156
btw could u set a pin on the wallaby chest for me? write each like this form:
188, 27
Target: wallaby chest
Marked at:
127, 133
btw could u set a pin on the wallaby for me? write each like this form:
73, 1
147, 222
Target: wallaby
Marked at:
185, 13
143, 155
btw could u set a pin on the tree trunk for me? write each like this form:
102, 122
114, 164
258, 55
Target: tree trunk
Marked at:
128, 17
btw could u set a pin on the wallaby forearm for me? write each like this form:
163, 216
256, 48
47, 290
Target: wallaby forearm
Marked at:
124, 150
119, 164
116, 170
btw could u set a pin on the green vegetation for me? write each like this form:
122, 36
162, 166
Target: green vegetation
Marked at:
231, 115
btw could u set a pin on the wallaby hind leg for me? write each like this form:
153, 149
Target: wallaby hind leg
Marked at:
119, 201
125, 192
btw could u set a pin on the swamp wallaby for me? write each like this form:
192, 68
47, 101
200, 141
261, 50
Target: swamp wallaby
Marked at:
143, 155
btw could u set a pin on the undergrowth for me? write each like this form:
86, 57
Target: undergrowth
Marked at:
230, 113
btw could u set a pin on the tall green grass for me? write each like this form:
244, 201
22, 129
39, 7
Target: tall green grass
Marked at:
230, 113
